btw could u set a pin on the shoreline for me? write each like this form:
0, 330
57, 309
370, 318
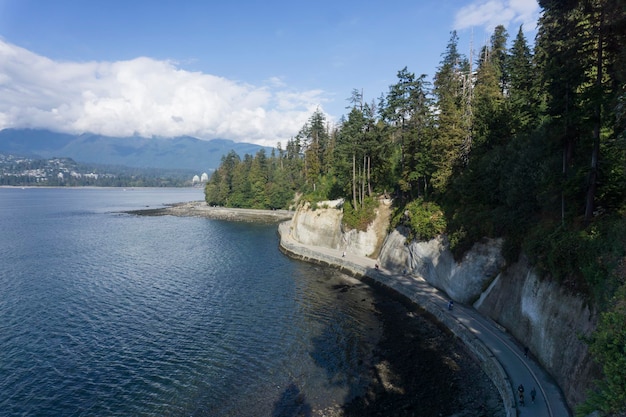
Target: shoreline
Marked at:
364, 270
201, 209
429, 299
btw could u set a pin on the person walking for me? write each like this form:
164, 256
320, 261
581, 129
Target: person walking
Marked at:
533, 394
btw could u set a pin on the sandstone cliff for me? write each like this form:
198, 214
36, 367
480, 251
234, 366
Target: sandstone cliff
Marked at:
538, 313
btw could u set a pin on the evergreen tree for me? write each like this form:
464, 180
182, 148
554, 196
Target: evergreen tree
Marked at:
587, 38
349, 146
407, 110
258, 177
499, 57
453, 141
315, 140
523, 98
488, 126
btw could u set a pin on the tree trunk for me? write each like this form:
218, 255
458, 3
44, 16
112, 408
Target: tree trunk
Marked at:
369, 178
595, 152
354, 180
363, 181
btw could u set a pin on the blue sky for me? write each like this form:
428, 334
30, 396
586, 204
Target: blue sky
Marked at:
242, 70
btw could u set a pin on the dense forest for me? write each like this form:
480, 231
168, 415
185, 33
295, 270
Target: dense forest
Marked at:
528, 144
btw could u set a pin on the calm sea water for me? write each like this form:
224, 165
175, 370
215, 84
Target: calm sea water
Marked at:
110, 314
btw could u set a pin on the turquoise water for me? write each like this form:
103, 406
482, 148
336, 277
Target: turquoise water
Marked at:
110, 314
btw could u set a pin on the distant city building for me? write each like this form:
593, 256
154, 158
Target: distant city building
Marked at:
204, 177
196, 179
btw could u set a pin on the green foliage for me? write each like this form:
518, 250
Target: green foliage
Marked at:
254, 182
326, 189
361, 217
585, 259
608, 348
450, 144
501, 193
424, 219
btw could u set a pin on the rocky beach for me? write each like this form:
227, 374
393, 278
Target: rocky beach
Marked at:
201, 209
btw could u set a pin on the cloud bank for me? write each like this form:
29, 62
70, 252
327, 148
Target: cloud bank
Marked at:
145, 97
490, 13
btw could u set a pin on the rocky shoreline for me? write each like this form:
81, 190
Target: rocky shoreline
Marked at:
201, 209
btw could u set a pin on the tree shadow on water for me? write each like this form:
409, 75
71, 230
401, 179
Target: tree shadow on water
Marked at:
292, 403
344, 348
419, 369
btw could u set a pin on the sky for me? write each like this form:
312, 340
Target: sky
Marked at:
248, 71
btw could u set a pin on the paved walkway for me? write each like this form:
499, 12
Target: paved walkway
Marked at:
500, 355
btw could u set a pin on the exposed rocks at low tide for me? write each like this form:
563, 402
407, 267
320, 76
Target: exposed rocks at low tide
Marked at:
201, 209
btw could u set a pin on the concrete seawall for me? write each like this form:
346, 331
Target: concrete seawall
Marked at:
413, 289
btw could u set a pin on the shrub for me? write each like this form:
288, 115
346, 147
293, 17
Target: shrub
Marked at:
362, 217
583, 259
424, 219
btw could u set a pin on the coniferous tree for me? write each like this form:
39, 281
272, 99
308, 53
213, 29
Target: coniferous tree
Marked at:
587, 38
498, 56
451, 145
350, 141
488, 126
407, 110
258, 177
523, 98
314, 138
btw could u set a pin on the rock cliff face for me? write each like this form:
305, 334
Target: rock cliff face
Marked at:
549, 321
537, 312
463, 281
322, 227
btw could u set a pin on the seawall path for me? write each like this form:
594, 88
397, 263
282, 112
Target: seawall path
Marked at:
499, 355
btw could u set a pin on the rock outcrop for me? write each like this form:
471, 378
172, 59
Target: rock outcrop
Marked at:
463, 281
549, 321
322, 227
538, 313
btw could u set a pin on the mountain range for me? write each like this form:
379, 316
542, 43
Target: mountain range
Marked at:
184, 152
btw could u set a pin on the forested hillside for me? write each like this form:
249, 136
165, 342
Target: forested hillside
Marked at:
525, 144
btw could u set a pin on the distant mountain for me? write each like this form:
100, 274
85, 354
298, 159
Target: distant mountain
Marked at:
183, 152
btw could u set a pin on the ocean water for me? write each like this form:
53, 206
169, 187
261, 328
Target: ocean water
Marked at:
110, 314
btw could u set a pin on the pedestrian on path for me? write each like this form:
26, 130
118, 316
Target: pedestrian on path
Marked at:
533, 394
520, 392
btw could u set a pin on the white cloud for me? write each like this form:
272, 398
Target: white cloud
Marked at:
145, 97
490, 13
